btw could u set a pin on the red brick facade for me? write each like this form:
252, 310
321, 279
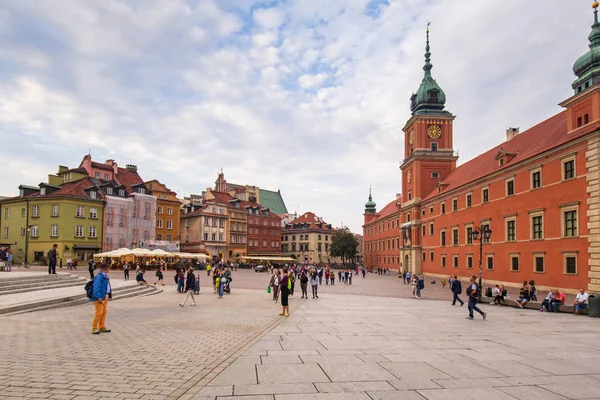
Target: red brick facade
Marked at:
538, 192
264, 230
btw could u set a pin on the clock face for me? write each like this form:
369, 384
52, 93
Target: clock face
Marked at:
411, 137
434, 131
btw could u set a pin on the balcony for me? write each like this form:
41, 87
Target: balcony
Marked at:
430, 154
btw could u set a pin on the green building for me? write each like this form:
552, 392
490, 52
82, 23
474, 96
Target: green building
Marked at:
69, 215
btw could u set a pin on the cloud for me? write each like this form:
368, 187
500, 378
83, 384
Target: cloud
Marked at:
305, 96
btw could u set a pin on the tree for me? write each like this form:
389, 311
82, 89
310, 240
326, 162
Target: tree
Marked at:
343, 244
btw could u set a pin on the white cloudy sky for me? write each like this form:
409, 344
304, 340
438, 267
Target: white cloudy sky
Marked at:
306, 96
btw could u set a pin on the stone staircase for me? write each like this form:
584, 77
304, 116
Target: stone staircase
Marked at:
38, 292
32, 283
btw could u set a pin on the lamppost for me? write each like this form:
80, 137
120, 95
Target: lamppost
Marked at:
482, 233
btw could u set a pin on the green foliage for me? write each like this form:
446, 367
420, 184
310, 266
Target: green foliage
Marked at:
343, 244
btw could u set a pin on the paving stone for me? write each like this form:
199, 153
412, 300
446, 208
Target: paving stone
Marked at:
398, 395
284, 359
337, 358
295, 373
415, 369
339, 372
531, 393
574, 391
212, 391
275, 388
324, 396
465, 394
336, 387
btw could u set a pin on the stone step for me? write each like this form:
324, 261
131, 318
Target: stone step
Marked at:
73, 300
30, 278
32, 287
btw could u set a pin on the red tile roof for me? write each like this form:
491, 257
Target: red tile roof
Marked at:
101, 166
546, 135
222, 198
127, 178
388, 210
311, 219
72, 189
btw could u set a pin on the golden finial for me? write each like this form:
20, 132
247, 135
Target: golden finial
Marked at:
595, 5
429, 23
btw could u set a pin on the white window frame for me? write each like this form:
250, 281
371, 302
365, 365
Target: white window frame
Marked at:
54, 230
122, 192
431, 229
6, 213
542, 256
35, 213
169, 211
109, 190
533, 215
80, 212
93, 194
532, 172
159, 210
6, 232
93, 232
569, 255
35, 231
93, 212
487, 263
159, 223
467, 196
514, 188
469, 256
512, 218
169, 224
456, 230
55, 210
23, 231
563, 210
443, 243
79, 231
518, 257
562, 167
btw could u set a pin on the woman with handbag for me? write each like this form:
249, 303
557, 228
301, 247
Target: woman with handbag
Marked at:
190, 282
275, 284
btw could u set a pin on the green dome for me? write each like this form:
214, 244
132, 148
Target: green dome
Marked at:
370, 206
587, 67
430, 98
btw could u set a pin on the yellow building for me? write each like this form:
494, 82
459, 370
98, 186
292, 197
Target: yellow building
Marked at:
69, 215
307, 238
167, 216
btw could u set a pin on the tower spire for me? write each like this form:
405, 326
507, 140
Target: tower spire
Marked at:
587, 67
370, 207
428, 66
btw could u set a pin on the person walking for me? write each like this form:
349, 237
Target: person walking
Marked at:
456, 288
364, 272
303, 284
181, 280
190, 284
332, 278
473, 293
415, 285
126, 271
159, 276
349, 277
274, 283
9, 260
340, 276
91, 267
52, 258
3, 257
292, 276
219, 283
327, 277
284, 288
102, 292
314, 282
320, 274
208, 269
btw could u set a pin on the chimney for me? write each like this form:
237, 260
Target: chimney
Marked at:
131, 167
511, 133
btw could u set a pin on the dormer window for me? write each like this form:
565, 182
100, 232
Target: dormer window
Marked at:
92, 195
109, 190
141, 191
122, 192
42, 191
501, 162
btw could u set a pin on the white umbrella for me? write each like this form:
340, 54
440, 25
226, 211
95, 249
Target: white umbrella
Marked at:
161, 253
140, 252
190, 255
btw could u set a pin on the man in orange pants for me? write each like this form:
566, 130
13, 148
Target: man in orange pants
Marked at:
102, 293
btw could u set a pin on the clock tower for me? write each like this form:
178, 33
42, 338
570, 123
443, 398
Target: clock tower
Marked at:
428, 153
428, 158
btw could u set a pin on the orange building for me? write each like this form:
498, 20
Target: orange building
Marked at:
167, 215
538, 192
381, 246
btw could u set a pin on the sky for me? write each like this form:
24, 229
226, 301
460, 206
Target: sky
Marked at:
308, 97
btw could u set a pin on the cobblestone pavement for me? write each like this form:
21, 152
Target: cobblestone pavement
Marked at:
157, 350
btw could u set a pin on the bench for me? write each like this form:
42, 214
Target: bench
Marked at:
534, 305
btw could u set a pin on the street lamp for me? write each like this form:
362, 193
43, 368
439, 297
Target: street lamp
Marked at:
482, 234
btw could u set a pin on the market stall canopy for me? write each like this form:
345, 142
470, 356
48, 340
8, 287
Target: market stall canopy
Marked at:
114, 253
268, 258
190, 255
161, 253
140, 252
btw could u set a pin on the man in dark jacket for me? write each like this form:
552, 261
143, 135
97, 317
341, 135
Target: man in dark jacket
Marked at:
190, 284
456, 290
52, 258
102, 292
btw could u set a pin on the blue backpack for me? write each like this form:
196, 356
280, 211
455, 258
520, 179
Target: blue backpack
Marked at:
89, 289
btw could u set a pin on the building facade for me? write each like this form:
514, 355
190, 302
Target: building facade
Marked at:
70, 216
307, 238
381, 235
167, 235
537, 191
264, 231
